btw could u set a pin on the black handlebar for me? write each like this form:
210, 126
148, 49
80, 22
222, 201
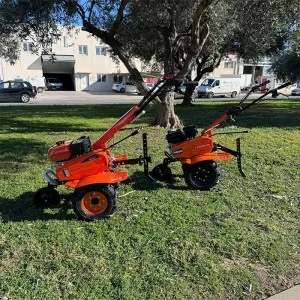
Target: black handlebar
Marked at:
194, 83
272, 91
283, 85
257, 86
264, 83
173, 81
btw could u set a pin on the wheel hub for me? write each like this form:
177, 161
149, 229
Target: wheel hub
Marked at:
94, 202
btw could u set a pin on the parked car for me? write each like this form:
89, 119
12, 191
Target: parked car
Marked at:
181, 90
17, 90
123, 87
54, 84
296, 91
149, 86
39, 82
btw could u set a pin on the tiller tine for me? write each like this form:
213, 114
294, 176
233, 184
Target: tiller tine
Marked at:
146, 159
239, 156
236, 153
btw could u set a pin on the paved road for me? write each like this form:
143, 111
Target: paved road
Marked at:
83, 98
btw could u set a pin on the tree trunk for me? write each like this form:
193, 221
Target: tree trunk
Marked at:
189, 95
166, 114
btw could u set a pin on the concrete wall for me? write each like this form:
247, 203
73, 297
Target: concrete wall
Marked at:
90, 65
29, 65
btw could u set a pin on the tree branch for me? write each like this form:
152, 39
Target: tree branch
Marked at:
202, 7
119, 18
201, 71
198, 38
91, 10
194, 52
180, 36
80, 10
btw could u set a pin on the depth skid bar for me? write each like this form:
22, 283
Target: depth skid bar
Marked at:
146, 158
142, 160
239, 156
236, 153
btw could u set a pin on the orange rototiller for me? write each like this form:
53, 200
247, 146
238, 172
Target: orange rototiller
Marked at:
92, 170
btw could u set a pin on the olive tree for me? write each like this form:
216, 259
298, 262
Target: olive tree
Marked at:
175, 34
286, 64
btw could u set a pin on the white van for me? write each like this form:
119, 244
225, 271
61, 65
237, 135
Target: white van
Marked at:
39, 82
219, 86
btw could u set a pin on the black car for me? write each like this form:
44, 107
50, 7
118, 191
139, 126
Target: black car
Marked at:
16, 90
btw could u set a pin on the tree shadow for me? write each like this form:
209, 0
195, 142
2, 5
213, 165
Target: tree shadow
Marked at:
66, 117
142, 183
16, 154
282, 114
23, 209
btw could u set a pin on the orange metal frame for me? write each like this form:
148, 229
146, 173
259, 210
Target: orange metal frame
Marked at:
99, 166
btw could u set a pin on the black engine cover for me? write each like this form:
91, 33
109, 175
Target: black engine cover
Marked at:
81, 146
178, 136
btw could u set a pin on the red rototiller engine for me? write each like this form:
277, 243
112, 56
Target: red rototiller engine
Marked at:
92, 170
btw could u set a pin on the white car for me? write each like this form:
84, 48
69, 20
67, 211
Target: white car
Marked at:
149, 86
295, 91
123, 87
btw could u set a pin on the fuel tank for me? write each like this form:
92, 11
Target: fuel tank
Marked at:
61, 151
65, 150
88, 164
194, 147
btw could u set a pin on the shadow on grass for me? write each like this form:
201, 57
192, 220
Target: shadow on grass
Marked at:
36, 119
142, 183
283, 114
57, 118
18, 154
22, 209
16, 149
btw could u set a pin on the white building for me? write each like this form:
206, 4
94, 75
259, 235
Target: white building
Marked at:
233, 66
81, 62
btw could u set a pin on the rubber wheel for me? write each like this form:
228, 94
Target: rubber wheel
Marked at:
122, 90
25, 98
94, 202
162, 173
210, 95
201, 176
40, 89
233, 94
46, 197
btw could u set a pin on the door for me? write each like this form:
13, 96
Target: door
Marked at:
5, 90
84, 82
15, 89
217, 87
130, 87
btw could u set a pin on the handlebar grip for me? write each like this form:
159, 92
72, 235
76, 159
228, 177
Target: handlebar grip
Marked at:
264, 83
191, 83
283, 85
173, 82
135, 132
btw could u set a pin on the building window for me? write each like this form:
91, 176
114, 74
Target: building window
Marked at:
228, 64
117, 78
68, 41
28, 47
4, 85
101, 77
247, 70
101, 51
83, 49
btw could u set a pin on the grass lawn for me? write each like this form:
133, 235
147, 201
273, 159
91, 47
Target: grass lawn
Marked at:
238, 241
